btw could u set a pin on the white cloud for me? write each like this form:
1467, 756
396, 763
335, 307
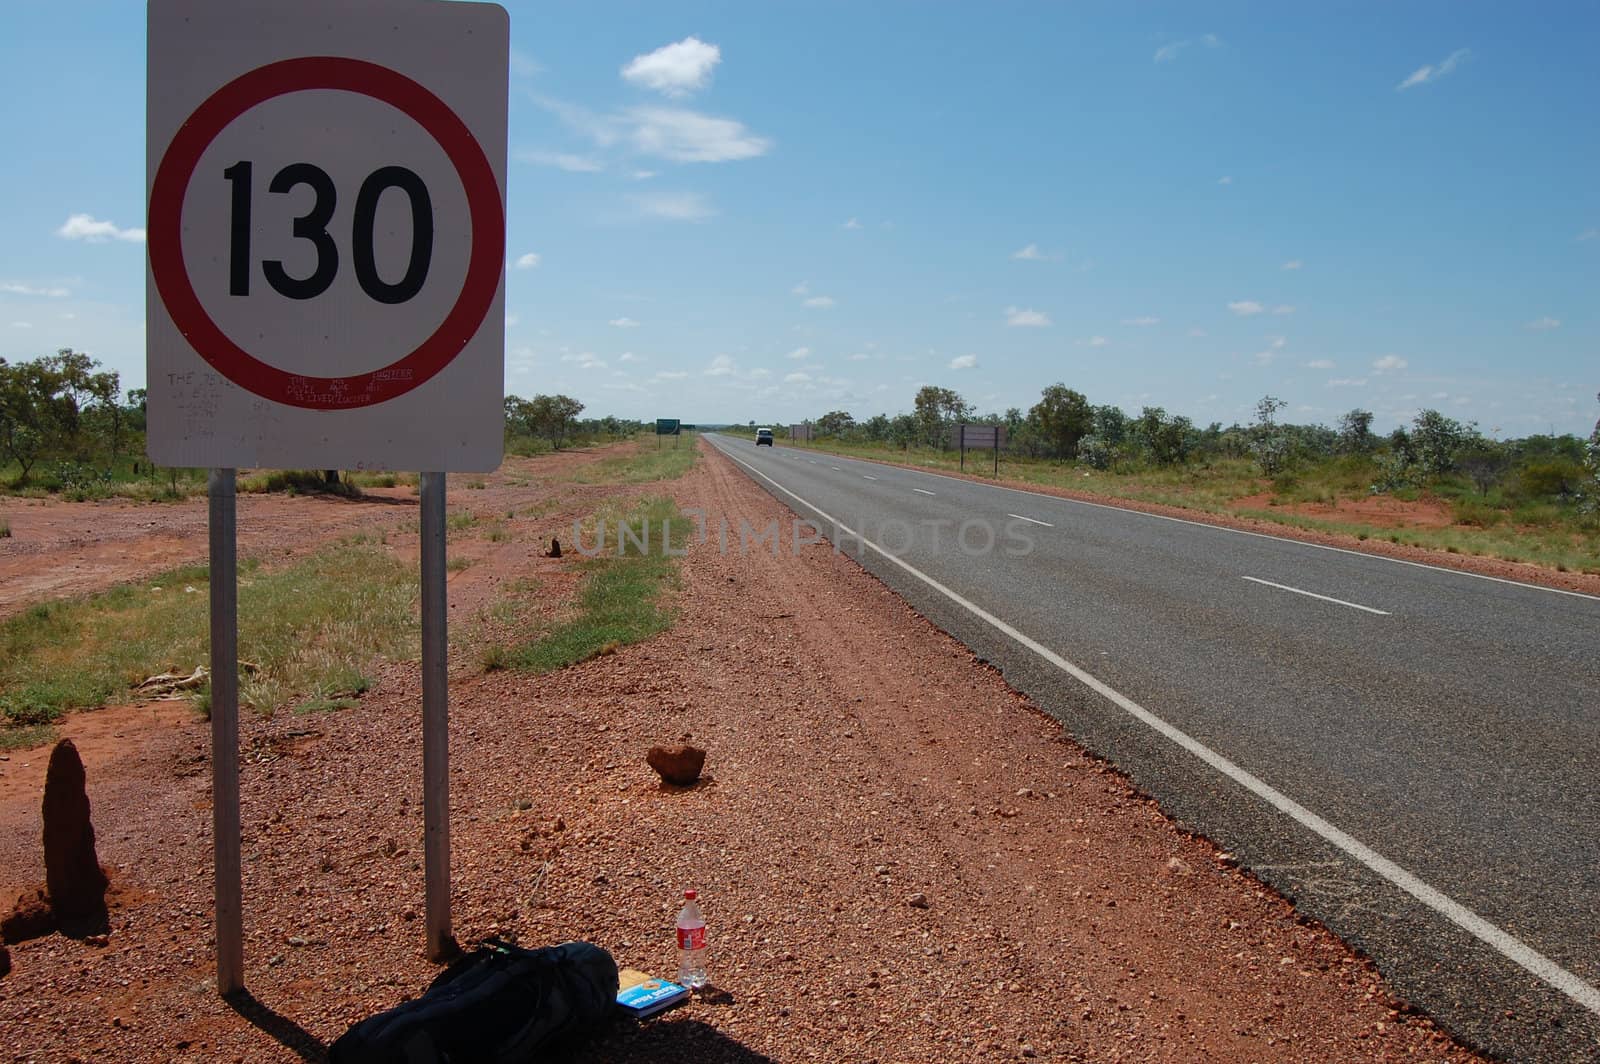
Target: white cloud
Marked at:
1246, 308
1320, 363
1428, 72
800, 352
1541, 324
675, 69
674, 133
1347, 382
524, 65
1146, 320
964, 362
1389, 364
852, 224
691, 137
1278, 342
623, 323
721, 366
1264, 358
1292, 264
572, 164
629, 356
1097, 341
528, 261
802, 289
1588, 234
1283, 308
22, 325
859, 356
1168, 52
1031, 253
820, 302
1225, 179
1018, 317
584, 359
797, 378
17, 288
642, 175
675, 207
89, 229
1197, 332
671, 375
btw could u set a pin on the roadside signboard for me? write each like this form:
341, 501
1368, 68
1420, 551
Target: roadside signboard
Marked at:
326, 233
980, 437
800, 432
667, 426
325, 289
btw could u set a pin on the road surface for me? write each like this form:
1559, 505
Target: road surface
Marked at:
1409, 753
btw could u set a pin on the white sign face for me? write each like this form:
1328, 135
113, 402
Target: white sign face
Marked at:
325, 283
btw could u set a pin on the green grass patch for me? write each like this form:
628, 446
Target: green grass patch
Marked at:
309, 628
5, 529
455, 565
298, 482
620, 597
643, 463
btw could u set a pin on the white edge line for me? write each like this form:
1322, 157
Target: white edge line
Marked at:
1031, 520
924, 491
1312, 594
1508, 946
1247, 532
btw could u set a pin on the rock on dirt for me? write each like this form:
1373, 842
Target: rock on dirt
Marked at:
29, 918
73, 878
679, 765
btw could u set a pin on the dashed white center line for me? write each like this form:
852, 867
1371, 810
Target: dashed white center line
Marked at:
924, 491
1313, 594
834, 468
865, 477
1031, 520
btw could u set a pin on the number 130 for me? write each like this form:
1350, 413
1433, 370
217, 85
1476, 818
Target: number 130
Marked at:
313, 226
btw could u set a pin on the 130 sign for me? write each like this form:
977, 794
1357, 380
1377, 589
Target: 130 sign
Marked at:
313, 227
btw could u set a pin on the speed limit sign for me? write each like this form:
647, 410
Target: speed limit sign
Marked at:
326, 233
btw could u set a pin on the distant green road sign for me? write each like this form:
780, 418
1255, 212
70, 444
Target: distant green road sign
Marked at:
666, 426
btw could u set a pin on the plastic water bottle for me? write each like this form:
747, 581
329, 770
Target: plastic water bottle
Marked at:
691, 943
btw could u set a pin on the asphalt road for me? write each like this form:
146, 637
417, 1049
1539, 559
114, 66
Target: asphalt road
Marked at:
1412, 757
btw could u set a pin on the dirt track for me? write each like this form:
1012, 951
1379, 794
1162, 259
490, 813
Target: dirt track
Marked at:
858, 759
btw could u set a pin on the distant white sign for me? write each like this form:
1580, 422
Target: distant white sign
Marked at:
326, 234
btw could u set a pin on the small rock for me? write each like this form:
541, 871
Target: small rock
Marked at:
1227, 859
296, 940
679, 765
1026, 1050
918, 900
1178, 866
555, 547
1025, 792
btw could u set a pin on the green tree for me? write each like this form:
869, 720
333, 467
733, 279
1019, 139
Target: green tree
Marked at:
1355, 432
835, 423
1063, 417
1436, 441
1270, 444
936, 408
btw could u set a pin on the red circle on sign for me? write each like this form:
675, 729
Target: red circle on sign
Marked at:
367, 79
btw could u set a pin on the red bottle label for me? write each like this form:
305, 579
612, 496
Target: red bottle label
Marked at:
692, 937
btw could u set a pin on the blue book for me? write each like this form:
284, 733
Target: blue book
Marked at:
641, 995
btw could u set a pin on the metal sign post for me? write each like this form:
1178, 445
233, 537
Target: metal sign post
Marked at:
225, 732
435, 720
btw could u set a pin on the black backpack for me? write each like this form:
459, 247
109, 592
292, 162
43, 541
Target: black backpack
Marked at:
498, 1005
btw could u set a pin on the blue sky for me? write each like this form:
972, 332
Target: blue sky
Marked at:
754, 211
